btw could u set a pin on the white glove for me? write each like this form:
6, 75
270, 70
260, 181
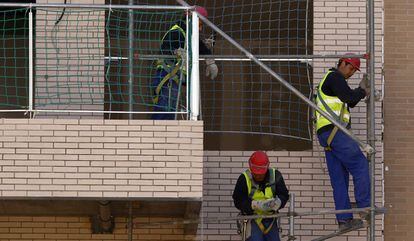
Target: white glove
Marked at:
211, 69
181, 54
209, 42
267, 205
275, 203
258, 205
377, 95
365, 85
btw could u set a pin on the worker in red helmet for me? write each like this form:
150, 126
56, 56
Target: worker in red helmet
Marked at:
260, 190
343, 155
171, 72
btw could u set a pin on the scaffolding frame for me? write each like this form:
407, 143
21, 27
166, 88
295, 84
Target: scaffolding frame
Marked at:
291, 214
368, 147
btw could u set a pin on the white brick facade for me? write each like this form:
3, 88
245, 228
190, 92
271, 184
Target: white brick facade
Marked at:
98, 158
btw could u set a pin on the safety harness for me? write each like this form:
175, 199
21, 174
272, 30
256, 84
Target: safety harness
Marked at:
256, 194
332, 113
171, 69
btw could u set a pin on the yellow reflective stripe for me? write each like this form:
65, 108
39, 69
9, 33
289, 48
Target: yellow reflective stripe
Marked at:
345, 116
333, 101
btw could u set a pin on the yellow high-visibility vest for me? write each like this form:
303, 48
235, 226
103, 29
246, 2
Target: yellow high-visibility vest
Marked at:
258, 195
171, 70
173, 28
162, 63
330, 104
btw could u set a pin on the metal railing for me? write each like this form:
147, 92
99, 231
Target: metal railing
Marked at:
32, 108
290, 215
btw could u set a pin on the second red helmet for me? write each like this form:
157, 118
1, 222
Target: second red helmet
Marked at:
259, 162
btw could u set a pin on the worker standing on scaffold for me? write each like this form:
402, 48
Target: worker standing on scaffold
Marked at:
172, 71
260, 190
343, 155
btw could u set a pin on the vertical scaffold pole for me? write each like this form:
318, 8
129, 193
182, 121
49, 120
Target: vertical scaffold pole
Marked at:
371, 108
30, 62
130, 59
291, 235
195, 68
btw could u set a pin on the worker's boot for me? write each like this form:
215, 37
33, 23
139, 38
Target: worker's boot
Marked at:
366, 217
349, 224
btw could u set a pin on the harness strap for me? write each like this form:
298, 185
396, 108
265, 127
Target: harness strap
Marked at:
262, 227
254, 187
163, 64
334, 130
328, 109
171, 75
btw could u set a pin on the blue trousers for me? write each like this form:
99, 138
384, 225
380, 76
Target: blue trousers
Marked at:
346, 158
257, 234
167, 99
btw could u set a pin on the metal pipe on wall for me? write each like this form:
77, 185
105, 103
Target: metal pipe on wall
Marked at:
130, 222
106, 220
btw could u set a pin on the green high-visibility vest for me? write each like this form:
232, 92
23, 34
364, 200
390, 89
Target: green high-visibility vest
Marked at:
330, 104
258, 195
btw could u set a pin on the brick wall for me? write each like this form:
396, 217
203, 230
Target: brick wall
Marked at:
398, 119
97, 158
78, 228
305, 175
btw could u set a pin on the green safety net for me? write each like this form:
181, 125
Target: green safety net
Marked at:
14, 69
82, 63
244, 98
82, 59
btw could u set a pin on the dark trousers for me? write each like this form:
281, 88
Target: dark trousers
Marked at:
346, 158
258, 235
167, 99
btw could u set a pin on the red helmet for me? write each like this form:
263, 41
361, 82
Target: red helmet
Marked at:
202, 11
259, 162
355, 62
